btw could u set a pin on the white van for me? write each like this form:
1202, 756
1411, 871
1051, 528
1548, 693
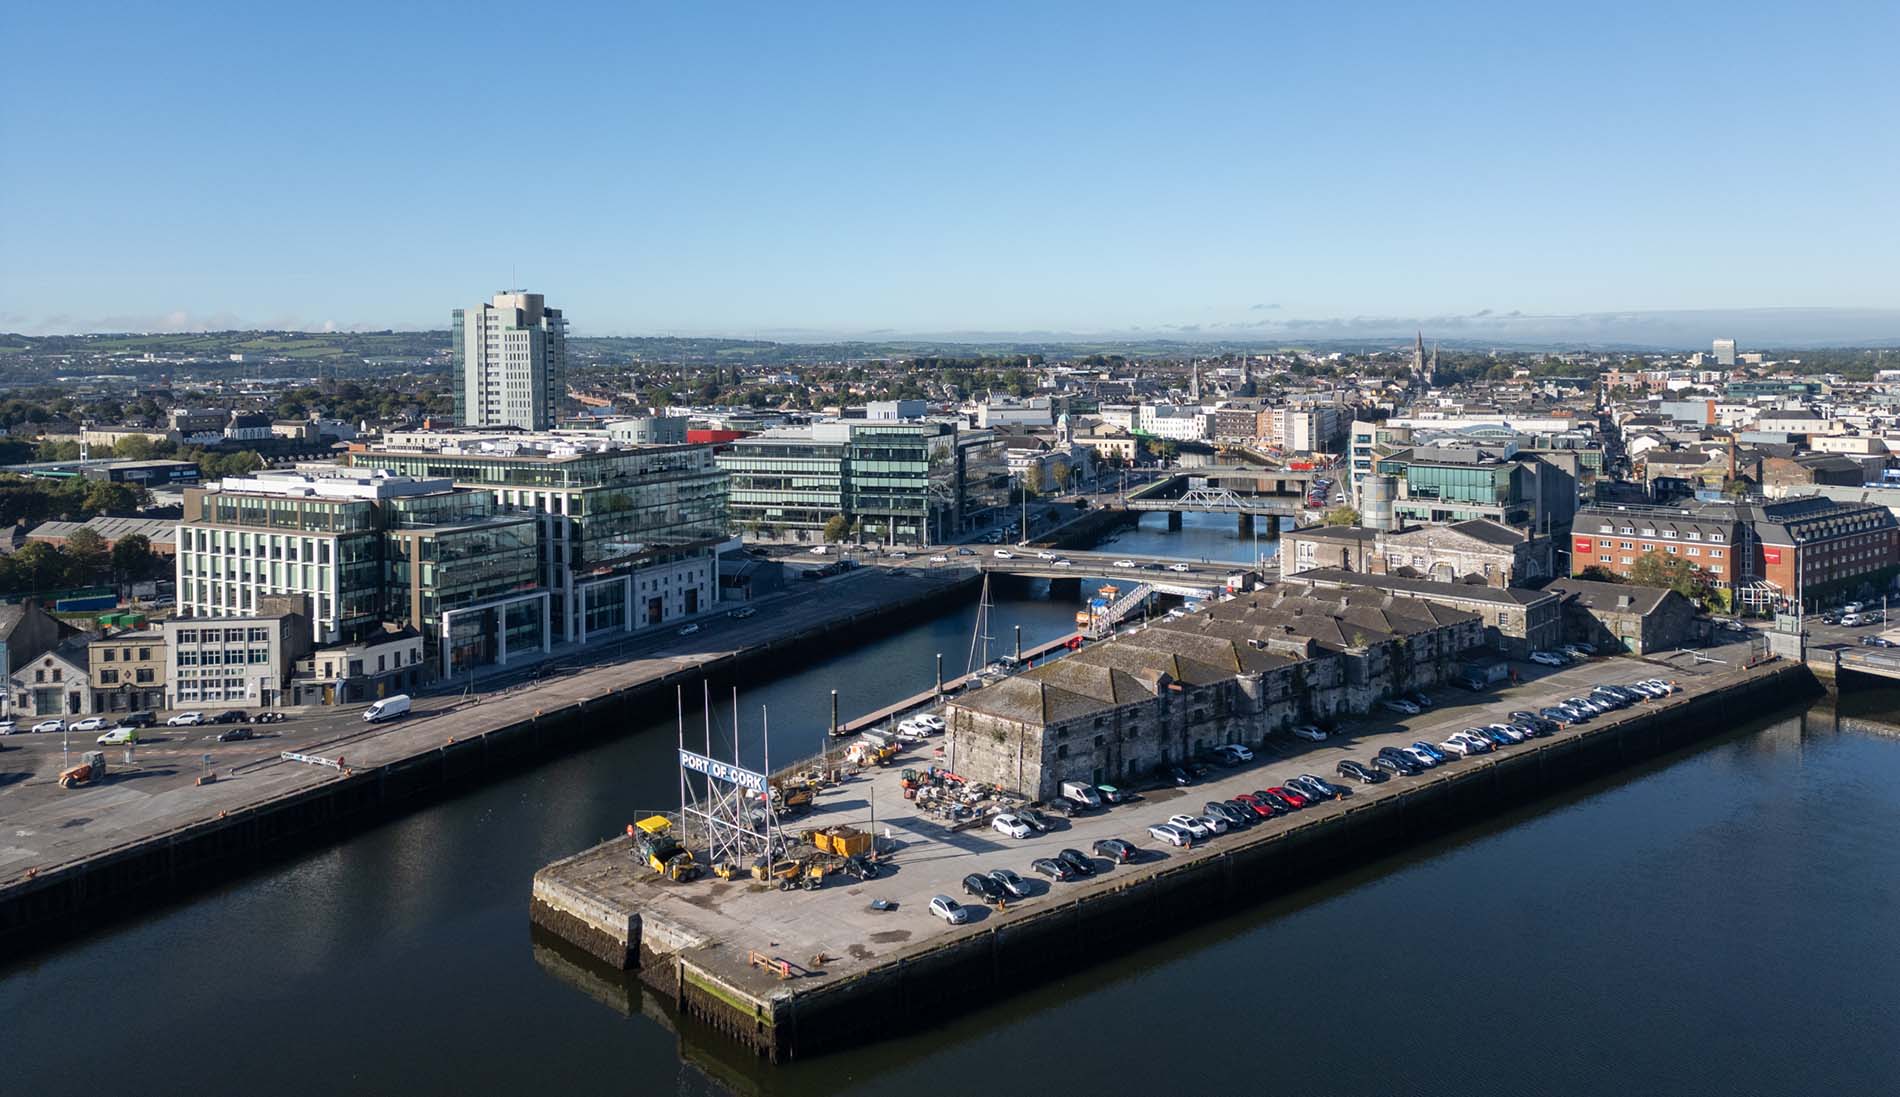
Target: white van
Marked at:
389, 708
1081, 794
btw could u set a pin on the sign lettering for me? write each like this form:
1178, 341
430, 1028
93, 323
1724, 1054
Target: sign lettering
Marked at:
724, 772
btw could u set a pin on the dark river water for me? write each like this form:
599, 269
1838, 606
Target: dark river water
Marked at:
1721, 921
1201, 537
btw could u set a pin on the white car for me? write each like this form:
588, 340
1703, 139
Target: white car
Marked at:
1045, 556
1419, 756
1478, 743
48, 725
898, 554
92, 723
1064, 564
1169, 833
1177, 567
1457, 745
688, 630
949, 910
186, 720
1004, 554
940, 559
1010, 825
1401, 705
1213, 823
1194, 826
1309, 733
1548, 659
1235, 751
931, 721
6, 727
1124, 563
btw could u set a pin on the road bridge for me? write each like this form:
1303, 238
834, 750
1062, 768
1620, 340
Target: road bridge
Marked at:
1240, 490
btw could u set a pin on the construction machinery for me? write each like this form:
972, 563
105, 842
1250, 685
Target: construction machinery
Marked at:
654, 842
91, 769
794, 795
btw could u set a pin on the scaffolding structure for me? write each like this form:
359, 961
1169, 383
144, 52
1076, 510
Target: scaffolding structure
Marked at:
724, 805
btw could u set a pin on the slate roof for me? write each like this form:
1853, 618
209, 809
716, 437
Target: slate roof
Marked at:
1423, 588
1606, 596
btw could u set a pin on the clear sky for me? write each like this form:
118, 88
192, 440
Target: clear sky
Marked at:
954, 167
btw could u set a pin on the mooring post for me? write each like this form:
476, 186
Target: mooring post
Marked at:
940, 676
834, 712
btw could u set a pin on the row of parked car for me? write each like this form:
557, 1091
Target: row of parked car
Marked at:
1517, 727
1245, 809
126, 728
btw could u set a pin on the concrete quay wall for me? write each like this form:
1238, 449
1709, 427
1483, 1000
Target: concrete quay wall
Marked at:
918, 987
169, 864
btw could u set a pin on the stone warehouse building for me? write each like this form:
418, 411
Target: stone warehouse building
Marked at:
1235, 673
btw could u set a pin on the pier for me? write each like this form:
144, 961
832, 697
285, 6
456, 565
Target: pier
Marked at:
838, 973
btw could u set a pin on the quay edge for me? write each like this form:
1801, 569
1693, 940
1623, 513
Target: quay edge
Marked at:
913, 987
44, 907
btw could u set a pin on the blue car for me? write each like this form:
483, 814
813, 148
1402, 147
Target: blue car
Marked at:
1437, 756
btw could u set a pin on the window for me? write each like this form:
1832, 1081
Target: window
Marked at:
187, 636
107, 677
145, 675
145, 653
111, 655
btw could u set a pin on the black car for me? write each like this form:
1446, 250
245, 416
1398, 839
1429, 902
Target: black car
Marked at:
139, 720
1037, 821
1216, 809
235, 735
1353, 771
1319, 786
1078, 861
1280, 807
983, 887
1055, 868
1061, 805
1394, 762
235, 716
1179, 776
966, 552
1115, 850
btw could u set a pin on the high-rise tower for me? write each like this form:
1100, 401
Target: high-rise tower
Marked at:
510, 362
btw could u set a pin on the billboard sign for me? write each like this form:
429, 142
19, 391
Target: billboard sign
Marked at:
723, 771
1770, 554
1584, 546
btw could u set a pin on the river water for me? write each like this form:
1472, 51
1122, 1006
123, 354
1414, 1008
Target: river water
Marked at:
1716, 922
1209, 537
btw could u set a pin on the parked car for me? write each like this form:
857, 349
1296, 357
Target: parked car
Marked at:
949, 910
983, 888
1195, 828
1418, 756
688, 630
1255, 804
1292, 797
1430, 751
1580, 649
1549, 659
45, 726
7, 727
1355, 771
1115, 850
1511, 735
744, 612
1077, 860
233, 716
1326, 789
1013, 885
1418, 697
1279, 805
1400, 705
1169, 833
1222, 811
1054, 867
1395, 764
91, 723
1234, 753
233, 735
142, 720
1460, 745
1010, 825
1309, 733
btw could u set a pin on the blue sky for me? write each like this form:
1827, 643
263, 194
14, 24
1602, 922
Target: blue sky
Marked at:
832, 168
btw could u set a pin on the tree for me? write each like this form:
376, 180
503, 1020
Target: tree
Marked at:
1342, 515
1063, 473
1032, 479
836, 527
1654, 569
1599, 575
133, 447
105, 497
87, 552
132, 558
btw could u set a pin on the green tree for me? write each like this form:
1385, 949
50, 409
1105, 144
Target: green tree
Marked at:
133, 448
1599, 575
1342, 515
86, 553
104, 497
132, 558
1655, 569
1032, 479
836, 527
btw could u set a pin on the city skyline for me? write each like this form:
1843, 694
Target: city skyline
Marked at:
1069, 170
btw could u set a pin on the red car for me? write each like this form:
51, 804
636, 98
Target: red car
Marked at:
1288, 795
1256, 805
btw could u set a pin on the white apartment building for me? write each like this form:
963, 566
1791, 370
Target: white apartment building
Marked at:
510, 362
1179, 423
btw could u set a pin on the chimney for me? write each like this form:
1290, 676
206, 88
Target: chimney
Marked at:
1623, 601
